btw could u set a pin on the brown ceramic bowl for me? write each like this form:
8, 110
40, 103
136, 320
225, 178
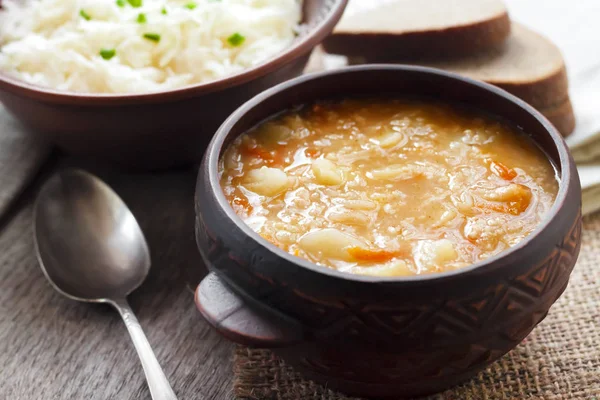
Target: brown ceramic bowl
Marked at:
383, 337
162, 129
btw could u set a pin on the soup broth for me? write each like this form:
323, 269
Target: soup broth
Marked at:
388, 187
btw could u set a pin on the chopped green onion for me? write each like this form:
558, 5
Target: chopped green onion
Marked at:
85, 15
191, 6
164, 11
141, 19
107, 54
236, 39
155, 37
135, 3
121, 3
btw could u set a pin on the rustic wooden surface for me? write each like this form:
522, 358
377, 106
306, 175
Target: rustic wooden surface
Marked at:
20, 157
54, 348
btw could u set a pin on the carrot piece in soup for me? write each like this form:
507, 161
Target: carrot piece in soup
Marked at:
503, 171
513, 199
312, 152
243, 203
271, 157
378, 256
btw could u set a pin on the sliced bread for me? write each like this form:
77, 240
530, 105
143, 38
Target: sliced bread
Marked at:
527, 65
423, 28
561, 116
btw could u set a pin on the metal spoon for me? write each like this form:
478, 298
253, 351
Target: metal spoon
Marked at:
91, 249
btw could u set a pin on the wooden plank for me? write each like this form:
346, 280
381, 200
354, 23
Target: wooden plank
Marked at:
54, 348
20, 157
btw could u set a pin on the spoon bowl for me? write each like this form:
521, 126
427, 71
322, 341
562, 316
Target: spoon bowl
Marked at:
89, 244
91, 249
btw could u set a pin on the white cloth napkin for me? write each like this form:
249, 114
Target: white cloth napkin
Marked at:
573, 25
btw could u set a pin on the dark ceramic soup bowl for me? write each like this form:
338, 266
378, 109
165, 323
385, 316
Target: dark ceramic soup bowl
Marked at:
383, 337
160, 129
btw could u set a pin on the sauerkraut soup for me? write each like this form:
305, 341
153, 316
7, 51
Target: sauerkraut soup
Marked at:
388, 187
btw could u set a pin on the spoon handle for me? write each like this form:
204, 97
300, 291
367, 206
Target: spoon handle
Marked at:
160, 389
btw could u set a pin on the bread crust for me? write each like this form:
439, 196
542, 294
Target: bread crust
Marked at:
562, 117
503, 64
460, 40
545, 93
507, 66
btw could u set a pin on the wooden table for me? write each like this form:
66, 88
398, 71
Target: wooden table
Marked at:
54, 348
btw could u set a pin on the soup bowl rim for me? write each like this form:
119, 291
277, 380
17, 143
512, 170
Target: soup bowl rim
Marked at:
216, 146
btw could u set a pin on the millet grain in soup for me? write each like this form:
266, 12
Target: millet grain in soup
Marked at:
388, 187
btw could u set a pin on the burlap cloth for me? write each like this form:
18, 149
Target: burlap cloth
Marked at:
560, 360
